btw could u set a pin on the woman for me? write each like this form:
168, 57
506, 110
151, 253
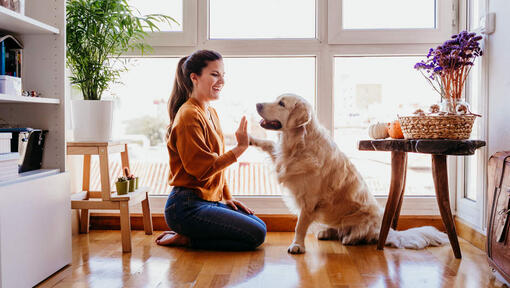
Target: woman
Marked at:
197, 162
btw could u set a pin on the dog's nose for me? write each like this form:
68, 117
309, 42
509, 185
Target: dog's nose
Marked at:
259, 107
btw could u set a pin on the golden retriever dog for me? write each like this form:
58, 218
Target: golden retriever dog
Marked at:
323, 185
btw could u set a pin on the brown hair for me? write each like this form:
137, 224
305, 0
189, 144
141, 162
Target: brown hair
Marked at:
183, 86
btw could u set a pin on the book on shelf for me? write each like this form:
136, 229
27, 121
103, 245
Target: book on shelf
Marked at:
11, 56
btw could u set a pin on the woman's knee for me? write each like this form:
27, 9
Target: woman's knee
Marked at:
258, 233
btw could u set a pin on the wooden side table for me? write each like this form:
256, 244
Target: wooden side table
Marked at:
439, 149
107, 199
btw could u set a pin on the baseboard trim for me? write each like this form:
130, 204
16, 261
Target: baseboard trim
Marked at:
287, 222
274, 222
471, 235
111, 221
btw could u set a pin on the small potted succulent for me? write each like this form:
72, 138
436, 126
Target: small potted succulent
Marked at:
122, 185
133, 181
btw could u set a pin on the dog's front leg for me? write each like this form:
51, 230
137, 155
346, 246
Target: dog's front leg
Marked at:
266, 145
298, 245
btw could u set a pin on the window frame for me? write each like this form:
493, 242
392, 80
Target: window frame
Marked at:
188, 35
446, 22
474, 212
324, 51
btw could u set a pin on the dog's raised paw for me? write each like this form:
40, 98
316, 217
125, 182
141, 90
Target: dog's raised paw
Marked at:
295, 248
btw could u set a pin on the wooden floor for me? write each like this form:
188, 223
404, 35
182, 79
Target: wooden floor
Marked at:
99, 262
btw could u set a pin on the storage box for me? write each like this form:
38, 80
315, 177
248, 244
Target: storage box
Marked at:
8, 166
5, 142
10, 85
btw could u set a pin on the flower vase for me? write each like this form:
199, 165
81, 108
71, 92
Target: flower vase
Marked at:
449, 107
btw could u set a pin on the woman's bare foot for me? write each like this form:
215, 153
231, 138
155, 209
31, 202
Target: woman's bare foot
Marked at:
171, 238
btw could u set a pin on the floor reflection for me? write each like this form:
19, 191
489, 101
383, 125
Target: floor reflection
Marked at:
98, 261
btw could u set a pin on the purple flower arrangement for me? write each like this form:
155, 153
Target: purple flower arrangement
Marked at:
447, 67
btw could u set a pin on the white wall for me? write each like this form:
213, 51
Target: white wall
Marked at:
499, 78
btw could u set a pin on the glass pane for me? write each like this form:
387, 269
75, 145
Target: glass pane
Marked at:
172, 8
250, 81
249, 19
392, 14
474, 14
141, 116
376, 89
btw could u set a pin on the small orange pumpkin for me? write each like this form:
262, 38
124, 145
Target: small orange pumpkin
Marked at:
395, 130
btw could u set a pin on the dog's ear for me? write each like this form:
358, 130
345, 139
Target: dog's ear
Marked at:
300, 115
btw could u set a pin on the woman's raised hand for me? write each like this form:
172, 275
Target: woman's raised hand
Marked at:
242, 133
242, 138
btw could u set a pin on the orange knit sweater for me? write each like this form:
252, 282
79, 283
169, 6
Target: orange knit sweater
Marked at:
197, 152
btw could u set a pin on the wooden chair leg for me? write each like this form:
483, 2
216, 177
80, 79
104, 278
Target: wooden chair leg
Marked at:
440, 175
84, 221
396, 187
147, 218
125, 226
86, 173
394, 223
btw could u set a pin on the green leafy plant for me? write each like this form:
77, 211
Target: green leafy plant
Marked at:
97, 33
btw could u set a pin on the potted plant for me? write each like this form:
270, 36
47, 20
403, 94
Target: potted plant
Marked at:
133, 181
122, 185
97, 33
446, 69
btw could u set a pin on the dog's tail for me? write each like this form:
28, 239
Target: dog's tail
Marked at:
416, 238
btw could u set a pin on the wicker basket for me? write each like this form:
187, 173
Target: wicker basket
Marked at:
437, 127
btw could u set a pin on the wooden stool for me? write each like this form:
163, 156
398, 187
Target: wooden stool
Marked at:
439, 149
106, 199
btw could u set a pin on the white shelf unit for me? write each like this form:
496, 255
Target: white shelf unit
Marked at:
4, 98
37, 201
29, 176
16, 23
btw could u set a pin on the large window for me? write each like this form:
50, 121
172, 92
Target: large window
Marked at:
317, 49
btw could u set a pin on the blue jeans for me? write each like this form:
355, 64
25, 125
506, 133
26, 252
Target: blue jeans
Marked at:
212, 225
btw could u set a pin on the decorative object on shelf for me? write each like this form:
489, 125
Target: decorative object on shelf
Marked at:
11, 56
378, 131
122, 185
446, 69
7, 4
31, 93
18, 6
113, 28
394, 130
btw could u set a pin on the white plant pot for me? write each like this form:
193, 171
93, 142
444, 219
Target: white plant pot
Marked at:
92, 120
